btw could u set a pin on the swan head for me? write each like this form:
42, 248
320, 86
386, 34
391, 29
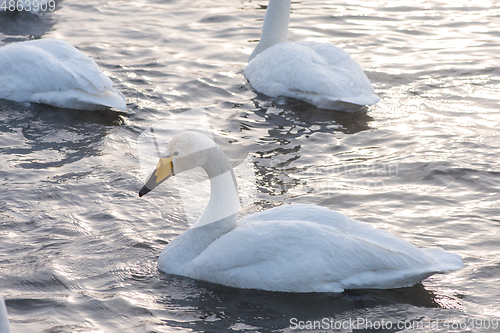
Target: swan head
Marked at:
185, 151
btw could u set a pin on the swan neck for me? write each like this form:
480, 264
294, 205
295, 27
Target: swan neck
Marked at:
275, 28
218, 218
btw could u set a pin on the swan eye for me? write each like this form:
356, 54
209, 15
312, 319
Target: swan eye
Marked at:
175, 153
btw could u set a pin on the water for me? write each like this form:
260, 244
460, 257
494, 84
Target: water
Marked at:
79, 248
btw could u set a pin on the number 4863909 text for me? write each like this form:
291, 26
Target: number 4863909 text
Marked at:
27, 5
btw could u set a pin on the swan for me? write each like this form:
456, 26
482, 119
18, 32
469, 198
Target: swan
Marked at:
319, 73
53, 72
291, 248
4, 318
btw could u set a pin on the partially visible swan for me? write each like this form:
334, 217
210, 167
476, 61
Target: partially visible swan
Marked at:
51, 71
319, 73
4, 318
291, 248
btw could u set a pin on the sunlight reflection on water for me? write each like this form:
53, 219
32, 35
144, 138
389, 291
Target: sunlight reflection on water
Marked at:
79, 247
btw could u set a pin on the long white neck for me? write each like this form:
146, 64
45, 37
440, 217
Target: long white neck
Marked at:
275, 29
224, 199
218, 218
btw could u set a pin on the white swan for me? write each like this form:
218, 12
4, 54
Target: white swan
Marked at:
4, 318
51, 71
292, 248
319, 73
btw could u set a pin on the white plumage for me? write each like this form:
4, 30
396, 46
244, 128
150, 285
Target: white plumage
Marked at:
319, 73
4, 318
53, 72
292, 248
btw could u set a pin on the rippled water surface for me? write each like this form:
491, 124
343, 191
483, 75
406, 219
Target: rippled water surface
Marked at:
78, 247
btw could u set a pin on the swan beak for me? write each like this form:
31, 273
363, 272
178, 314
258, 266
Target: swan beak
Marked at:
164, 169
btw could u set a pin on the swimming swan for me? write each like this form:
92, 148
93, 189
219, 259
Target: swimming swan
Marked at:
291, 248
4, 318
53, 72
319, 73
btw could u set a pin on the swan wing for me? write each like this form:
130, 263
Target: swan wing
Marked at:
334, 254
53, 72
320, 73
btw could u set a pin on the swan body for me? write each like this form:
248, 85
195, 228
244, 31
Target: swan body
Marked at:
291, 248
53, 72
319, 73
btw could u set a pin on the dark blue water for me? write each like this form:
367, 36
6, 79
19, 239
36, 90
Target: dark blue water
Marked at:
78, 247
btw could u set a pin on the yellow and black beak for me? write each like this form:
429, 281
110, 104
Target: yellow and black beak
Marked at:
164, 169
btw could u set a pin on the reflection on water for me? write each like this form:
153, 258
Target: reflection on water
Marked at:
311, 116
21, 26
221, 308
51, 137
79, 249
286, 126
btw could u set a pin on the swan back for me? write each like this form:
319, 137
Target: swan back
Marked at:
53, 72
306, 248
86, 73
319, 73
